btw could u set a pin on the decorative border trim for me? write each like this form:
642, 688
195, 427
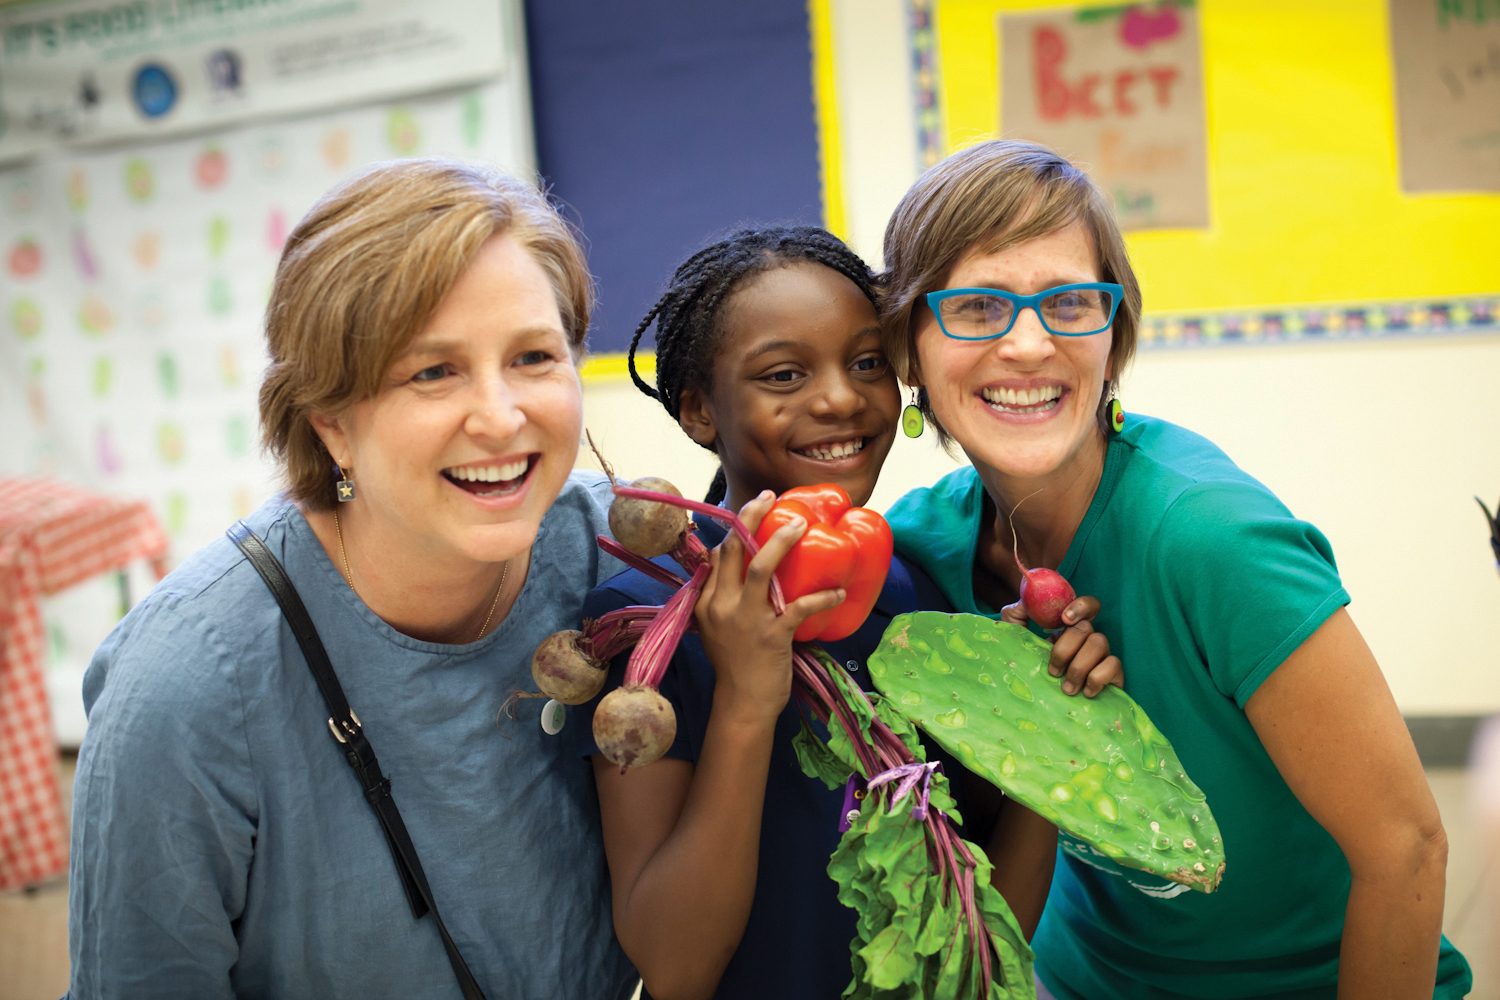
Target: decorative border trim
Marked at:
921, 36
1318, 324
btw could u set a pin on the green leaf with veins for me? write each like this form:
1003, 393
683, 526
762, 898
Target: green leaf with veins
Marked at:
1097, 767
910, 940
818, 761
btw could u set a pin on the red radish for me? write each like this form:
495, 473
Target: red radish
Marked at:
647, 527
564, 672
634, 726
1044, 592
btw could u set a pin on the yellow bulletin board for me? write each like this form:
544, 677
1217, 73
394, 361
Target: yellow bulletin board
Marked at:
1305, 199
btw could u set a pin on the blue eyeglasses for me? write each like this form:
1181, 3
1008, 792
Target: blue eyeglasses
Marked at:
986, 313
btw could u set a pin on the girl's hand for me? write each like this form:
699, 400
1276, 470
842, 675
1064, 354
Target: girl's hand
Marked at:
749, 645
1079, 654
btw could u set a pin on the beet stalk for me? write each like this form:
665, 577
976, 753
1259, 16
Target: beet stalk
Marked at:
634, 725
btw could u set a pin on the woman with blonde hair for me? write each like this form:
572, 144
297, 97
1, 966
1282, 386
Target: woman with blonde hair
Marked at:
424, 404
1013, 308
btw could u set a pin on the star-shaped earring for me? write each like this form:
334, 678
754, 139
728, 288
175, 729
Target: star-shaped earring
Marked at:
345, 486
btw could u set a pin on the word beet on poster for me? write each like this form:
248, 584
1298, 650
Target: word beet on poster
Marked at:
1118, 90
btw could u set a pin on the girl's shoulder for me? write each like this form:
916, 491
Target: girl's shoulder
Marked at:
628, 587
908, 588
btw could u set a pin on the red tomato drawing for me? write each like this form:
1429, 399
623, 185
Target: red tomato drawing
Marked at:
25, 258
212, 168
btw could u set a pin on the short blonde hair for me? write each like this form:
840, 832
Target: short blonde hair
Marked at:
990, 196
365, 270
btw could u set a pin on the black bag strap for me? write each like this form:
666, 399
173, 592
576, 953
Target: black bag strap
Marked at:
345, 726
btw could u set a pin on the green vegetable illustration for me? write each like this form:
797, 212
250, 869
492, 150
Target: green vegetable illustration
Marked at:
1098, 767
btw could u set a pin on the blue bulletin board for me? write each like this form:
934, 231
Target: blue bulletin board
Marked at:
661, 125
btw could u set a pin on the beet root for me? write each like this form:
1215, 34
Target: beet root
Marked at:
564, 672
634, 726
1045, 594
648, 528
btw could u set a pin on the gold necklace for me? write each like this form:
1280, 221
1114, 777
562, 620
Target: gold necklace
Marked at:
349, 577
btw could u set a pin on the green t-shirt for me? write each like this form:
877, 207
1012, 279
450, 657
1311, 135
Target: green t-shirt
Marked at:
1207, 583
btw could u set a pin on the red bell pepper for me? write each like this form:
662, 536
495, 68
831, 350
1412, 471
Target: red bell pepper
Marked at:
845, 546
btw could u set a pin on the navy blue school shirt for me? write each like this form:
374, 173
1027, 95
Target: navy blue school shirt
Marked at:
796, 942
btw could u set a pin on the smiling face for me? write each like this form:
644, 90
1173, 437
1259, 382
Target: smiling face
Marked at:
476, 426
1023, 404
802, 392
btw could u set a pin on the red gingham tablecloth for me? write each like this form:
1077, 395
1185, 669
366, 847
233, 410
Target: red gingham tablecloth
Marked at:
52, 536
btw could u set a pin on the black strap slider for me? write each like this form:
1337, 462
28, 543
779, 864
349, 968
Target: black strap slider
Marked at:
357, 750
380, 790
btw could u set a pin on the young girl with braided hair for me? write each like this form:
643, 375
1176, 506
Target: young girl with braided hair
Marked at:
768, 354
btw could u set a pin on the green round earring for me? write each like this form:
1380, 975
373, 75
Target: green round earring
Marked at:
1116, 416
912, 421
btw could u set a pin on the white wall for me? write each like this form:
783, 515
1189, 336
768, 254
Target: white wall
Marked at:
1382, 446
877, 125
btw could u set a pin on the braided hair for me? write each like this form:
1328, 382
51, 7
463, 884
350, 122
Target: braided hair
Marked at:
687, 316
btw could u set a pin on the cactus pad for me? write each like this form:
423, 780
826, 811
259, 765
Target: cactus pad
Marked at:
1097, 767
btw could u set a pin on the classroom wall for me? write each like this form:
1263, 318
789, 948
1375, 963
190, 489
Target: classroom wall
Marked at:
1382, 444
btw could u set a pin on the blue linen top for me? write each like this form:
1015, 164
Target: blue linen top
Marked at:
796, 942
221, 843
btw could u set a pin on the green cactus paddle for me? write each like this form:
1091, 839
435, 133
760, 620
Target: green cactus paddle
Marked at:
1097, 767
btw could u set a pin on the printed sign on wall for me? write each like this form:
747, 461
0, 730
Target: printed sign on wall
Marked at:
133, 285
95, 70
1118, 90
1447, 56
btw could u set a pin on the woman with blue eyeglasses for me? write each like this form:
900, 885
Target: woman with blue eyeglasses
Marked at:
1012, 308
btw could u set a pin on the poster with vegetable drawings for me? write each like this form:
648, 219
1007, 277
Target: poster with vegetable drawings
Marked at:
1447, 67
74, 71
1118, 90
134, 283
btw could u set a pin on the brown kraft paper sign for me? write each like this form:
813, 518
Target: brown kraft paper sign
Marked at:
1447, 65
1118, 90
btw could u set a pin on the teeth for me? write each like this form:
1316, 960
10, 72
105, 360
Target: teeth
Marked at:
827, 452
1023, 397
489, 473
